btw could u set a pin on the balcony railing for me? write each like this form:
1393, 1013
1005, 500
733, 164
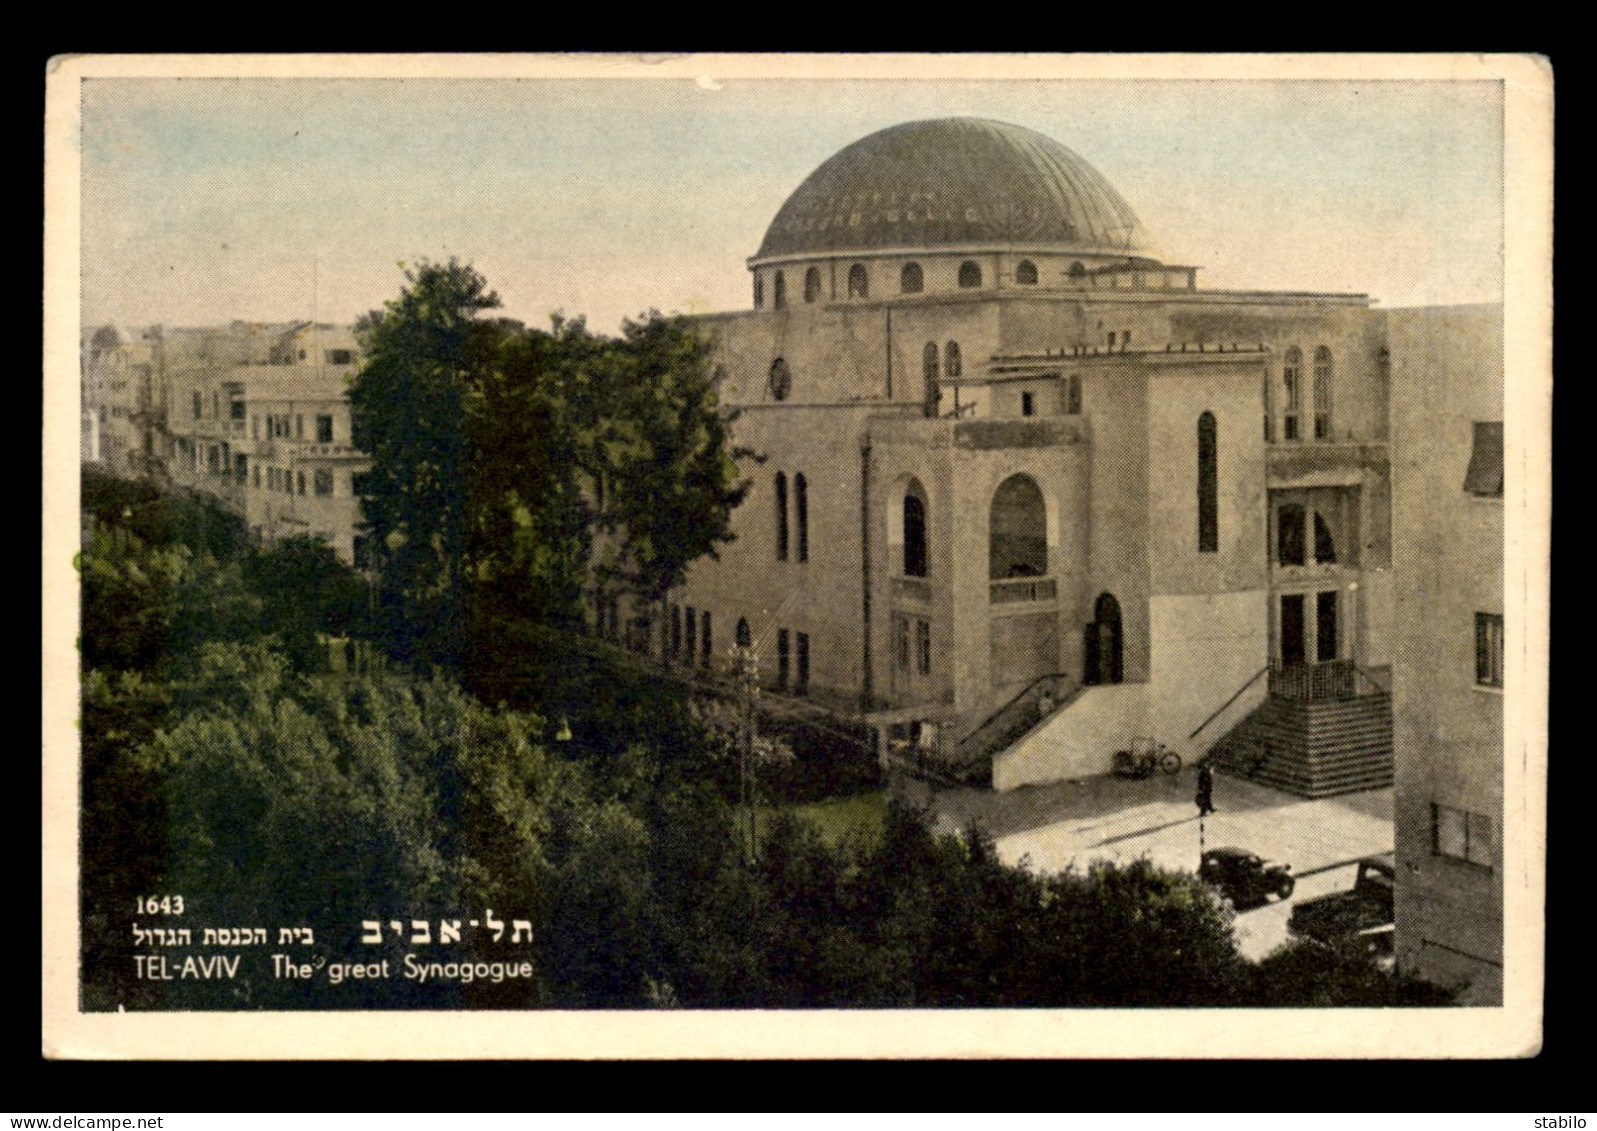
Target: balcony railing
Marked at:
1328, 679
913, 589
1017, 589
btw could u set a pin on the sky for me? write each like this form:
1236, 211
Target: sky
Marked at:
205, 200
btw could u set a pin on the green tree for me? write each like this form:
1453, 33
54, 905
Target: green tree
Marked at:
407, 408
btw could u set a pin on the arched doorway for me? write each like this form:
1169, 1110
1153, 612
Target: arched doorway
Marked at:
1103, 664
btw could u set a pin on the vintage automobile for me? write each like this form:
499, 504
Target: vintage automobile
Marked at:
1361, 916
1244, 877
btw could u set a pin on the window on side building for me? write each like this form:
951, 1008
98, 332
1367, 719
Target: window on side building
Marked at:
1484, 479
1461, 835
779, 292
781, 517
1292, 384
1489, 649
912, 280
1289, 535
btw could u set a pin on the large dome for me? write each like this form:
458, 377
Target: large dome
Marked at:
955, 182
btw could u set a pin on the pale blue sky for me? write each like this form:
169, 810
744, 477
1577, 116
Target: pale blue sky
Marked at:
206, 200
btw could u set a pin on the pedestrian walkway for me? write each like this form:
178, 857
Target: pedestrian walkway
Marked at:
1069, 824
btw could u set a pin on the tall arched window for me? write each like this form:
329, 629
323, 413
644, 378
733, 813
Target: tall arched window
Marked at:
676, 629
912, 280
690, 624
759, 291
1017, 530
929, 373
1292, 383
745, 638
779, 292
801, 514
1208, 486
951, 361
1102, 638
1026, 273
704, 636
858, 282
780, 381
812, 284
1078, 270
914, 531
1073, 394
970, 273
1322, 393
781, 517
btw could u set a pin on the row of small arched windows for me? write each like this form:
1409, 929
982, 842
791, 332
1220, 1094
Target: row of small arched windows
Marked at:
911, 281
800, 543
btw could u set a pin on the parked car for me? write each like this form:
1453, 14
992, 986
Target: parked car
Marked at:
1362, 915
1246, 878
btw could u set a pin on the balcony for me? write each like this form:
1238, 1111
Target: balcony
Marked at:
1019, 590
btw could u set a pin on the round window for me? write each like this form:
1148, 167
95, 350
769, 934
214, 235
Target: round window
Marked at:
781, 380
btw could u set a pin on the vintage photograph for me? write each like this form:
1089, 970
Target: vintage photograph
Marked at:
736, 551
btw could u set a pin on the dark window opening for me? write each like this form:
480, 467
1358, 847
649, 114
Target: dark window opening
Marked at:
901, 643
781, 659
923, 647
1294, 633
1078, 270
759, 291
1018, 525
1073, 395
812, 284
1208, 485
780, 380
690, 634
779, 292
969, 274
676, 630
324, 429
1027, 404
1324, 543
801, 508
858, 282
953, 366
912, 280
930, 371
781, 517
1103, 645
323, 481
1292, 382
802, 684
745, 638
1289, 548
1026, 273
1485, 475
235, 410
914, 535
704, 637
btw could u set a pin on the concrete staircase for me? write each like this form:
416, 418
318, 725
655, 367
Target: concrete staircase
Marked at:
1313, 747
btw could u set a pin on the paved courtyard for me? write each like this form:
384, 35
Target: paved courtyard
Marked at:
1050, 828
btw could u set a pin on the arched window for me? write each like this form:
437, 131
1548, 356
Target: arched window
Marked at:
1018, 530
1292, 382
1078, 270
745, 638
801, 509
914, 531
691, 633
929, 373
1324, 541
1073, 394
759, 291
858, 282
970, 273
1026, 273
912, 280
676, 629
1322, 393
1208, 486
780, 381
779, 292
781, 517
951, 362
704, 636
812, 284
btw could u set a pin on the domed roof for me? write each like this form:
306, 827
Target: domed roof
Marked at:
955, 182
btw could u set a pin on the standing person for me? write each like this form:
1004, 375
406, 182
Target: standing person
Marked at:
1205, 797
